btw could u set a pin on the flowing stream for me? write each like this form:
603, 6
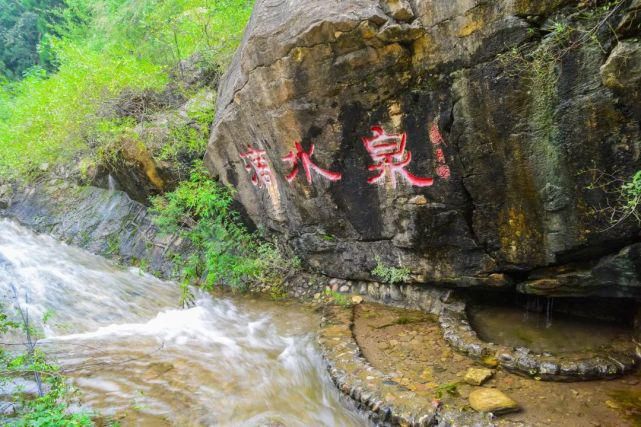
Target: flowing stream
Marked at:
121, 337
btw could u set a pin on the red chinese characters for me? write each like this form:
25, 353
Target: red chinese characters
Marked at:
442, 169
305, 158
256, 163
391, 159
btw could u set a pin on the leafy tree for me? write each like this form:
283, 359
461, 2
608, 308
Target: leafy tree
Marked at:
100, 48
24, 25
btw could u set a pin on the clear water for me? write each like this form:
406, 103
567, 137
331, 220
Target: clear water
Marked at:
543, 332
131, 350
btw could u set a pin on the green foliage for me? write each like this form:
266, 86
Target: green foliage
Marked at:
113, 245
51, 408
277, 291
101, 48
224, 252
338, 298
631, 192
622, 196
24, 27
185, 142
390, 274
164, 31
447, 388
6, 324
49, 119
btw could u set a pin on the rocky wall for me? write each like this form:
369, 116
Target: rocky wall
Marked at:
477, 143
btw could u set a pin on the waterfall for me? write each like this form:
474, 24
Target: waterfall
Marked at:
121, 336
112, 185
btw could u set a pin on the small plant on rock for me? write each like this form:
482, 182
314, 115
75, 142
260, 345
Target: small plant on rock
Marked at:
622, 197
447, 388
390, 274
338, 298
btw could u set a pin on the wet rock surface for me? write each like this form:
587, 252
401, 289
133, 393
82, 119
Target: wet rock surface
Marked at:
523, 138
104, 222
6, 193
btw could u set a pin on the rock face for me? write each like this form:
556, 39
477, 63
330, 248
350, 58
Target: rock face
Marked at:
107, 223
473, 142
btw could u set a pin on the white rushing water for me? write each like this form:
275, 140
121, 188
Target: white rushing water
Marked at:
120, 335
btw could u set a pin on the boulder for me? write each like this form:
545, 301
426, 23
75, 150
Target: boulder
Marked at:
401, 10
495, 150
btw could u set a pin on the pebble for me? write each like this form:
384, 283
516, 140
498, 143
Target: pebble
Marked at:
612, 404
492, 400
418, 200
477, 376
356, 299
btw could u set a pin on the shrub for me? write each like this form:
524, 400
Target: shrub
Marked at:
223, 251
101, 48
622, 196
51, 406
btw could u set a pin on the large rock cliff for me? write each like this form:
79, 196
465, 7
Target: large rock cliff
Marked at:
477, 143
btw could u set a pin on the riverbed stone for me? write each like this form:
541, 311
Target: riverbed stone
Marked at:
477, 376
492, 400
